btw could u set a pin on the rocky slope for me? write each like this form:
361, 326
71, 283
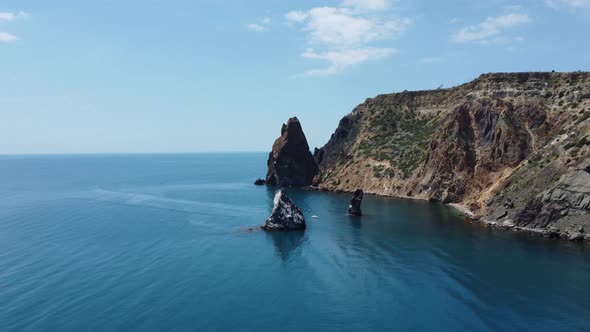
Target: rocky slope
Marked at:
512, 148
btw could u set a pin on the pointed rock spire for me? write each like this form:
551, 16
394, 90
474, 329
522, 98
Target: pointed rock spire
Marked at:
291, 163
285, 215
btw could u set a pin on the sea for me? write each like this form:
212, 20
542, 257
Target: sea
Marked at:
163, 242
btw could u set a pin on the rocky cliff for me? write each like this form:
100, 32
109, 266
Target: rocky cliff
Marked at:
512, 148
290, 162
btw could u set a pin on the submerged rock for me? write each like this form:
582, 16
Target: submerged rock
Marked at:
290, 163
355, 203
285, 215
260, 182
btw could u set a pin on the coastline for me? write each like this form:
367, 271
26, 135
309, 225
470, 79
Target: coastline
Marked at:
550, 233
508, 225
464, 210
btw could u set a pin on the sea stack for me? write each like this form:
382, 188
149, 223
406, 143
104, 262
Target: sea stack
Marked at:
285, 215
290, 163
355, 203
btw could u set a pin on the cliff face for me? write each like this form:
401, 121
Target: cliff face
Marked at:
510, 147
290, 162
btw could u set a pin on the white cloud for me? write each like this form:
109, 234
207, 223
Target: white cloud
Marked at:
4, 16
568, 3
343, 27
255, 27
8, 17
491, 27
344, 35
262, 25
296, 16
7, 37
339, 60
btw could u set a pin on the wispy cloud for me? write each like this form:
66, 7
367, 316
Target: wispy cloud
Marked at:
255, 27
342, 59
9, 17
512, 8
6, 16
368, 4
296, 16
342, 27
262, 25
7, 37
574, 4
492, 27
344, 34
431, 59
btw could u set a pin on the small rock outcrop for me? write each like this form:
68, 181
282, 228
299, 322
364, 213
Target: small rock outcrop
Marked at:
285, 215
260, 182
355, 203
290, 163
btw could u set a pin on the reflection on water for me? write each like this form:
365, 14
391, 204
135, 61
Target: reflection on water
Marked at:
355, 221
286, 243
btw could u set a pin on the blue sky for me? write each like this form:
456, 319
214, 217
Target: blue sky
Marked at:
191, 76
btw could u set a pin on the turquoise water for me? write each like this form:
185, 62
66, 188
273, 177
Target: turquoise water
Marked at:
158, 243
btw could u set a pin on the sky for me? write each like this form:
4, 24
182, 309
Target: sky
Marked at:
223, 75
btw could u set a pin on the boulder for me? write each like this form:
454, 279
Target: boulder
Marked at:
285, 215
508, 224
260, 182
355, 203
290, 163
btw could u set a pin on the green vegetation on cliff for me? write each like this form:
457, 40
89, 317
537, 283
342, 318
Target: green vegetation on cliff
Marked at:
502, 140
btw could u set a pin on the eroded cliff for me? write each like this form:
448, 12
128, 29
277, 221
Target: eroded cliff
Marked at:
514, 148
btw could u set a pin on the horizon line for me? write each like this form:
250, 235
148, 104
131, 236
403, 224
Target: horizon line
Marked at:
121, 153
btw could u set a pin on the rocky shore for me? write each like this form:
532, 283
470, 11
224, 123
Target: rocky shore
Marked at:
511, 150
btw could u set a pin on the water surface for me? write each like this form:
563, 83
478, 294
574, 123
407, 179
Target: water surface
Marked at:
158, 242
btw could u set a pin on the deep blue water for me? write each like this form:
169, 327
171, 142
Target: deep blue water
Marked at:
159, 243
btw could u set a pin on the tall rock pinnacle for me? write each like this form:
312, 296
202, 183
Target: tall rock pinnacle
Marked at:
290, 163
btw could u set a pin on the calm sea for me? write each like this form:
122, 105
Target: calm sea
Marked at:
159, 243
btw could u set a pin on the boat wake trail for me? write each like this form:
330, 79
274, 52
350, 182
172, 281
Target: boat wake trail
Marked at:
162, 202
